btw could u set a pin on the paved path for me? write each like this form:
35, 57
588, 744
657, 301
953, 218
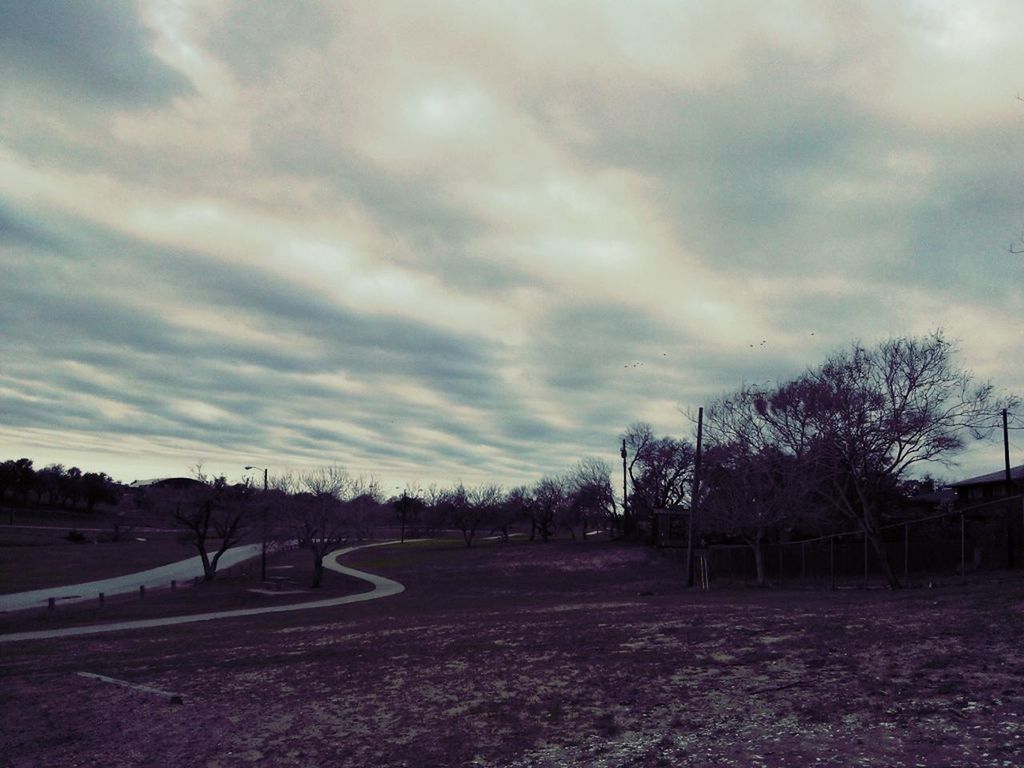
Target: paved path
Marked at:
382, 587
181, 571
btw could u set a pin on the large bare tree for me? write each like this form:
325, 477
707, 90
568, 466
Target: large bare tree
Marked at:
208, 514
867, 416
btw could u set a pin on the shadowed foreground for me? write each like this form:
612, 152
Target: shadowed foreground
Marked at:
531, 655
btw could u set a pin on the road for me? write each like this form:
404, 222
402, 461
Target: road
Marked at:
382, 587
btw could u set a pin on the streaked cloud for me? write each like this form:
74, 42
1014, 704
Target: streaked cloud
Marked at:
440, 241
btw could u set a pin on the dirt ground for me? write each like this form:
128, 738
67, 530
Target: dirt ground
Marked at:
563, 654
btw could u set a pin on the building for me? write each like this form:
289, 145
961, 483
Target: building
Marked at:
990, 487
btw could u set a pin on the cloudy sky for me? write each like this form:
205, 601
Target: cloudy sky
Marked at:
475, 240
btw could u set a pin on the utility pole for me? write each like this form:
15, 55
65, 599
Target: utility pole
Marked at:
625, 503
693, 500
263, 549
1006, 455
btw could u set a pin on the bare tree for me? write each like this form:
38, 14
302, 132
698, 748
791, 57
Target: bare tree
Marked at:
467, 510
550, 497
868, 415
207, 514
751, 492
660, 469
591, 501
317, 517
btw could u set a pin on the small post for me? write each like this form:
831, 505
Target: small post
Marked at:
103, 599
832, 561
695, 500
865, 558
142, 591
51, 604
963, 550
906, 552
174, 585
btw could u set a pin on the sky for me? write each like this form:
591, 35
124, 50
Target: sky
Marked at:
442, 241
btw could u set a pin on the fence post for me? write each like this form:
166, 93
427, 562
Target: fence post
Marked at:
142, 591
865, 558
963, 550
906, 553
50, 605
103, 599
174, 585
832, 561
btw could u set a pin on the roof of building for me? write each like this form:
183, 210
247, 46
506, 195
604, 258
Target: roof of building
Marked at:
173, 482
1016, 473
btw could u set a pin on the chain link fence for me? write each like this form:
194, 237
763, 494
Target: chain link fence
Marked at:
951, 545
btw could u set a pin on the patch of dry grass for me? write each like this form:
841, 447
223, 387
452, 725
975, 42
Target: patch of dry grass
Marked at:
543, 655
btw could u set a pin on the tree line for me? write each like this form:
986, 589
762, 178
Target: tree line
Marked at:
833, 446
21, 483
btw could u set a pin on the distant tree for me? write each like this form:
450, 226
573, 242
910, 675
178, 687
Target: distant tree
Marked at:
550, 497
591, 503
23, 478
660, 469
71, 486
48, 481
469, 509
408, 508
98, 487
8, 477
517, 506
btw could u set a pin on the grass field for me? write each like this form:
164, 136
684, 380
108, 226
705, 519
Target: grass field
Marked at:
523, 654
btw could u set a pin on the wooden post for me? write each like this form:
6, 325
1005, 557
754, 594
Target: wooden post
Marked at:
832, 561
906, 553
695, 498
142, 591
103, 599
174, 585
51, 604
963, 550
865, 558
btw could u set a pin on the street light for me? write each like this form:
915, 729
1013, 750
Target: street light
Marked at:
625, 504
263, 552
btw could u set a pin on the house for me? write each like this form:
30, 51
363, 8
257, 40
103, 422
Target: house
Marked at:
990, 487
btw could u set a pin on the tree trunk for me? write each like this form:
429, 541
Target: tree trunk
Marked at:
755, 544
871, 530
318, 570
208, 570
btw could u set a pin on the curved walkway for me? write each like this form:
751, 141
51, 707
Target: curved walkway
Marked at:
162, 576
382, 587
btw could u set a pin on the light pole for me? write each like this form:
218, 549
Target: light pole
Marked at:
263, 551
625, 504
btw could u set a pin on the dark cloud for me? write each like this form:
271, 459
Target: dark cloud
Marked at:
86, 51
